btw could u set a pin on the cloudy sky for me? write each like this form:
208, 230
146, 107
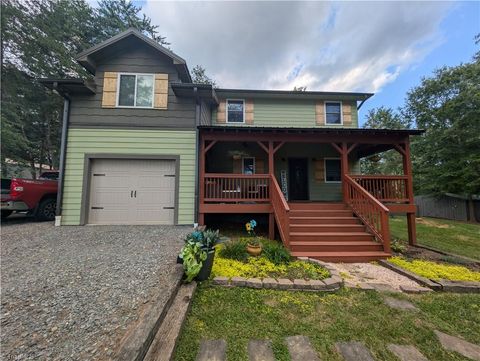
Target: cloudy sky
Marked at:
380, 47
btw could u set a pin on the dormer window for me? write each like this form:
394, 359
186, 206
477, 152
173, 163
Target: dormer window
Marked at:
135, 90
333, 113
235, 111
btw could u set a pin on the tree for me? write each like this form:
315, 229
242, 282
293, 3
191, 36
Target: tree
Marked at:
199, 76
447, 105
389, 162
37, 42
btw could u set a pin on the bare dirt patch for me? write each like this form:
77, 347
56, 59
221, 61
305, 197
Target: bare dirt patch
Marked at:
431, 223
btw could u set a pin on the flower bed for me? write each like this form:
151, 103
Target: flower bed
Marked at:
232, 260
436, 271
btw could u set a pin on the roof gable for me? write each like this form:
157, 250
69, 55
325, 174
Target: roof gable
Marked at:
89, 57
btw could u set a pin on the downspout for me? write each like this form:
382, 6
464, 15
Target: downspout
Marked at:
63, 150
197, 157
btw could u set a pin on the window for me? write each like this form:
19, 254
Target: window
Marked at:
235, 111
135, 90
248, 165
333, 170
333, 113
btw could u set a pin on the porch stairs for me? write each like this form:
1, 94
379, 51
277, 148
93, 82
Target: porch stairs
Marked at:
331, 232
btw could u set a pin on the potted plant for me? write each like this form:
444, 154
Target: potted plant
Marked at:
237, 154
209, 239
254, 248
192, 257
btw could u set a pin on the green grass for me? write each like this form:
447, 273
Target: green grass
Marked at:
448, 236
240, 314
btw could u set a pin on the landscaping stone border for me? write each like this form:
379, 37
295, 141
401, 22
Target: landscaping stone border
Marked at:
333, 283
441, 285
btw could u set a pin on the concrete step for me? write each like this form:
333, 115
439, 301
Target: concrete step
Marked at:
301, 349
212, 350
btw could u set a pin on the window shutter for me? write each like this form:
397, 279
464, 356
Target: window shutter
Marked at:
319, 170
347, 114
320, 113
109, 99
221, 111
249, 111
161, 91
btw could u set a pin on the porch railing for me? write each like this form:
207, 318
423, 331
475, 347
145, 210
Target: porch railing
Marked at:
370, 210
237, 188
385, 188
281, 211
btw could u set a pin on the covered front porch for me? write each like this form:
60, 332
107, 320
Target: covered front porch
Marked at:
266, 170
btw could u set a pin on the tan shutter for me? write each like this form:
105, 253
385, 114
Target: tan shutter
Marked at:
259, 166
347, 114
249, 111
221, 111
109, 99
319, 170
320, 112
161, 91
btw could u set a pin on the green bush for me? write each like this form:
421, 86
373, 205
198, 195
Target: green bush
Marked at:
275, 252
236, 250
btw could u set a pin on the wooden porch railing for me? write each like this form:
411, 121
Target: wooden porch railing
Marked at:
385, 188
281, 211
370, 210
237, 188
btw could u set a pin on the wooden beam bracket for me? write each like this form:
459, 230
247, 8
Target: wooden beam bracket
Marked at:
263, 146
210, 145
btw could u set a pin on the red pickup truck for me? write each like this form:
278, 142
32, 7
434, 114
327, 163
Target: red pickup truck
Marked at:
36, 196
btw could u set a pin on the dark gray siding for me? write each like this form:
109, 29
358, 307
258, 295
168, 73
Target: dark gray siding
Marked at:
87, 111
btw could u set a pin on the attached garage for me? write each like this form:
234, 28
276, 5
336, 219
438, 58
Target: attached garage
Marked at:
132, 190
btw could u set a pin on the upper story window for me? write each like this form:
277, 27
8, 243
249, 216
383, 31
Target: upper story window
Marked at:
333, 170
333, 113
235, 111
135, 90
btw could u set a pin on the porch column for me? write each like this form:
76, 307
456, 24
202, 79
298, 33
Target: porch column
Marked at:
201, 179
271, 171
407, 170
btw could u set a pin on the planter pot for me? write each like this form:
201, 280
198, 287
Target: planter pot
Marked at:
237, 157
254, 250
206, 267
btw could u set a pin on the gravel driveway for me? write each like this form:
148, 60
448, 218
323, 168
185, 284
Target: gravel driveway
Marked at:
70, 293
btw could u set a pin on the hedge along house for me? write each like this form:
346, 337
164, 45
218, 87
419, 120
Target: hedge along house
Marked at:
142, 144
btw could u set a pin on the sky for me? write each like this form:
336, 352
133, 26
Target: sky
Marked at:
380, 47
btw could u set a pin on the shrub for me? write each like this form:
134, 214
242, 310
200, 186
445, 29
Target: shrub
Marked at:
236, 250
398, 246
276, 253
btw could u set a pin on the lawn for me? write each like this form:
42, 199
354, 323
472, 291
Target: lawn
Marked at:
448, 236
239, 314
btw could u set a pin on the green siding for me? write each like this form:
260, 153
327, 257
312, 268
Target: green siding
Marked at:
154, 142
288, 113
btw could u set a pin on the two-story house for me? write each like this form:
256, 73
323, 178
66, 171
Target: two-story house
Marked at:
142, 144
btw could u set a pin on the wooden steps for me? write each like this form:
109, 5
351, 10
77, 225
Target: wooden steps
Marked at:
331, 232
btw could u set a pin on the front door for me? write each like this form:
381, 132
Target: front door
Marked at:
298, 179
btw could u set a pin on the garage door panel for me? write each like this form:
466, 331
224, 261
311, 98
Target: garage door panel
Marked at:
111, 191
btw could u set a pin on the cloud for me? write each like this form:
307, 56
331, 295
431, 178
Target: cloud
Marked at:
344, 46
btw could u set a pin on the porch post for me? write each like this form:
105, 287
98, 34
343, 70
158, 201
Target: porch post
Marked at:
344, 164
271, 171
201, 178
407, 170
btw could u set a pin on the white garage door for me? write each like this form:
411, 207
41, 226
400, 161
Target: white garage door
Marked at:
132, 191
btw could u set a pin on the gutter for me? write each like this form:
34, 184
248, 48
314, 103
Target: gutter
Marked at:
63, 150
197, 155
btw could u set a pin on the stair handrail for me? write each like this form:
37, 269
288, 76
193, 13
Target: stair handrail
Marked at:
281, 211
370, 210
